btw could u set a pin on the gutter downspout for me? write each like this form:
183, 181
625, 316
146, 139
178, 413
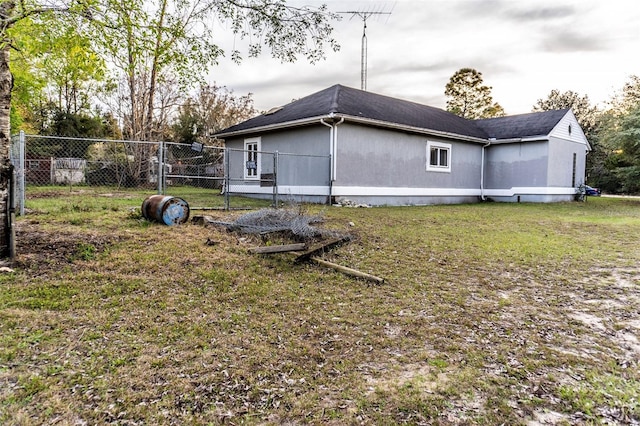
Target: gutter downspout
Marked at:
333, 139
482, 197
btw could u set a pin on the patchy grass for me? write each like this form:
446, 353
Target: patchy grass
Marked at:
490, 313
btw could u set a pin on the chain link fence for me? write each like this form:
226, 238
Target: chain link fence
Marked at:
207, 177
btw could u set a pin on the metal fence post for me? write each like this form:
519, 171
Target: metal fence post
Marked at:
227, 179
20, 169
275, 179
161, 177
330, 200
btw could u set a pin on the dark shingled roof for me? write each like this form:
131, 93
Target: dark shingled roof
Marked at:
346, 101
523, 125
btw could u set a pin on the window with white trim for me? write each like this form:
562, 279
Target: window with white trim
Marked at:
438, 157
252, 158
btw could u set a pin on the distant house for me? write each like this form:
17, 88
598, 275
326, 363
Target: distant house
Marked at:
43, 170
386, 151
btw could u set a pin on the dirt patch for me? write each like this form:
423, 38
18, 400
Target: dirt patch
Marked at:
41, 252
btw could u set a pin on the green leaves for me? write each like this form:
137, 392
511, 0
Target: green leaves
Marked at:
468, 97
287, 31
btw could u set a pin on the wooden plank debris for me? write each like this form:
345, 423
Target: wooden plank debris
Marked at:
320, 248
311, 255
348, 271
278, 249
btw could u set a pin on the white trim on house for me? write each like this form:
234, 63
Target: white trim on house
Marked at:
282, 190
351, 119
529, 190
568, 128
438, 147
346, 191
404, 192
252, 156
444, 192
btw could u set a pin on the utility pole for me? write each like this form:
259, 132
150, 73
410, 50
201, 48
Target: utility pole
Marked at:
363, 54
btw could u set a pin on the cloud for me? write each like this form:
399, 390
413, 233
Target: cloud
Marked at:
565, 41
540, 14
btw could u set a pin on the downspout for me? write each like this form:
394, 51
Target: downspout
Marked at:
482, 197
333, 139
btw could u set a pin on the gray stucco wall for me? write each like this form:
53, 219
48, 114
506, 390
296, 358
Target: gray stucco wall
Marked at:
382, 158
379, 166
560, 171
303, 156
521, 164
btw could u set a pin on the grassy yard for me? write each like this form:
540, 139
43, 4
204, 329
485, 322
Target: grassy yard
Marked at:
489, 314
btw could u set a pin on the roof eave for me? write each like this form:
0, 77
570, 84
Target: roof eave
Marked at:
354, 119
516, 140
413, 129
271, 127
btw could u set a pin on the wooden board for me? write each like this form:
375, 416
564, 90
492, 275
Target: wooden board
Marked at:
320, 248
278, 249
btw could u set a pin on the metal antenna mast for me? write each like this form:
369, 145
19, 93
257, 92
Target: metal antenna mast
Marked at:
363, 59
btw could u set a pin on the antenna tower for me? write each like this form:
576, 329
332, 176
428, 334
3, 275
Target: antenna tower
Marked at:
363, 54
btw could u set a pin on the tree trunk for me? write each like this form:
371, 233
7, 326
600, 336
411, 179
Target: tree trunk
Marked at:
6, 170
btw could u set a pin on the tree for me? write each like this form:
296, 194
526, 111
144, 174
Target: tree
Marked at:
614, 162
170, 44
628, 98
586, 114
72, 67
214, 108
177, 37
163, 40
469, 97
55, 70
626, 139
619, 134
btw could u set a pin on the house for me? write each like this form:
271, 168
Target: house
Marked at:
45, 170
346, 143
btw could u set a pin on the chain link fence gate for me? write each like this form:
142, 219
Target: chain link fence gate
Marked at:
207, 177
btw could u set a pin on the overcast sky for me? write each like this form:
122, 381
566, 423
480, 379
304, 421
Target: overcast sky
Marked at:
523, 48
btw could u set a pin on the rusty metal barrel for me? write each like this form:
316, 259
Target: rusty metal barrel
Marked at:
165, 209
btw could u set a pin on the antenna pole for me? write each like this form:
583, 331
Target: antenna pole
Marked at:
363, 54
363, 59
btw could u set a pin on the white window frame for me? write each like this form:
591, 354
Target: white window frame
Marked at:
438, 146
252, 153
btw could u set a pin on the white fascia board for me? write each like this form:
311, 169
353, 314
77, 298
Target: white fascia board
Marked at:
571, 117
412, 129
540, 138
285, 125
353, 119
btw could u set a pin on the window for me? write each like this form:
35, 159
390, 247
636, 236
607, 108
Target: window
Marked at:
438, 157
252, 158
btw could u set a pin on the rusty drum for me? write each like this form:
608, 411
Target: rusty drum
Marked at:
165, 209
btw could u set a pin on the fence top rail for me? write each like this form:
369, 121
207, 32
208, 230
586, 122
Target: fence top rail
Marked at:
88, 139
281, 153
